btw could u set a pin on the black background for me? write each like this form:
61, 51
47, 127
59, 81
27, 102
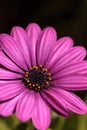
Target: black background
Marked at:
68, 17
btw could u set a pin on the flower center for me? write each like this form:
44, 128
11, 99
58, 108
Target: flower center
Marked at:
37, 78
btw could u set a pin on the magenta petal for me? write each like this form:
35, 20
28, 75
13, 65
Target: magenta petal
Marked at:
76, 68
25, 106
21, 36
5, 61
8, 91
41, 114
61, 46
33, 31
7, 108
72, 102
11, 47
5, 74
5, 82
45, 44
55, 102
74, 55
71, 82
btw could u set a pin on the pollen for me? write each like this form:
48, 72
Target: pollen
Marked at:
33, 85
28, 81
35, 67
47, 83
37, 78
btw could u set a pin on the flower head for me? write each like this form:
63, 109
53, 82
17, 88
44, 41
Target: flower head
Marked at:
37, 72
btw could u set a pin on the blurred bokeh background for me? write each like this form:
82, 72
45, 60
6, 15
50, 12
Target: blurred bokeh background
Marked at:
68, 17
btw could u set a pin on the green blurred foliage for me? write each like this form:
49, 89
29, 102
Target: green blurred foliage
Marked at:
75, 122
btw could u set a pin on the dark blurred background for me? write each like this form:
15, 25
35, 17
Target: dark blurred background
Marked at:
69, 17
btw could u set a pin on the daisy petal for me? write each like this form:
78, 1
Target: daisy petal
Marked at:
41, 114
7, 108
76, 68
8, 91
25, 106
21, 36
5, 74
61, 46
71, 82
55, 102
72, 102
11, 48
74, 55
6, 62
45, 44
33, 31
5, 82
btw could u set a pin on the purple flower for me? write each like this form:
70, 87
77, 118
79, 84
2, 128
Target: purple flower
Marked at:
38, 72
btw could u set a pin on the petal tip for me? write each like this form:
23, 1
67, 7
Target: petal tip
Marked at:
33, 25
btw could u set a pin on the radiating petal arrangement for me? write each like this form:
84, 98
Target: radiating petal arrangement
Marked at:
39, 73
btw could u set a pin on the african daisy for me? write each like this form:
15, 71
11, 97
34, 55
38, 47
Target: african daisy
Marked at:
37, 72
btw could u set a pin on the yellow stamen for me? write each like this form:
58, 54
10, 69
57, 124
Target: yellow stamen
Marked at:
35, 67
33, 85
45, 70
37, 85
26, 73
47, 83
49, 78
27, 80
30, 84
49, 74
31, 68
